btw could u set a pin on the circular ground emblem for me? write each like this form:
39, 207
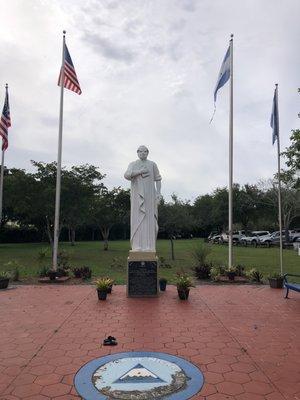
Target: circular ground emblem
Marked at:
138, 376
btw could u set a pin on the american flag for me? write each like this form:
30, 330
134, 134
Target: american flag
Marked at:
5, 122
70, 78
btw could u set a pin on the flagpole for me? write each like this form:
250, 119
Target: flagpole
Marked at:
59, 155
230, 258
279, 185
1, 185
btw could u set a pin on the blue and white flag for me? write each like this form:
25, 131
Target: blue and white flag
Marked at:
223, 77
224, 73
275, 118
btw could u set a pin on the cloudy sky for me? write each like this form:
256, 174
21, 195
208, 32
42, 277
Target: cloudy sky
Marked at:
147, 69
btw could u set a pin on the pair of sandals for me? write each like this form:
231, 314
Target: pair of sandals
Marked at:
110, 341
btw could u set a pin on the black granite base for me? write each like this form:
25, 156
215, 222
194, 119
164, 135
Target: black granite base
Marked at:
142, 279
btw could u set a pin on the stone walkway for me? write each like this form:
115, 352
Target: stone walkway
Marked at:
245, 339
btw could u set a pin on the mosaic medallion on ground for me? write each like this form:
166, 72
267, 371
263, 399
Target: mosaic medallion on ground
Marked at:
138, 376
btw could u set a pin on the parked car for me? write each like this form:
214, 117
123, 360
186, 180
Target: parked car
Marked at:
212, 235
273, 238
254, 238
294, 234
215, 238
236, 237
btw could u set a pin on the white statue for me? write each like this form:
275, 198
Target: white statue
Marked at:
145, 195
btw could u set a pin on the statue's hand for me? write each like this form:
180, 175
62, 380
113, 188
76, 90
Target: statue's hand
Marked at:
158, 197
145, 172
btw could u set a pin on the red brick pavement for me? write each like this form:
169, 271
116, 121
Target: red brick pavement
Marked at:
243, 338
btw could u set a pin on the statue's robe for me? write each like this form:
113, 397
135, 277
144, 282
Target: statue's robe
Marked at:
143, 218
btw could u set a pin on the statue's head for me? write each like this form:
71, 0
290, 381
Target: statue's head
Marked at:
142, 152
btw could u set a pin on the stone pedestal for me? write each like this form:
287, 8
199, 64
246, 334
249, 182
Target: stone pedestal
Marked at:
142, 274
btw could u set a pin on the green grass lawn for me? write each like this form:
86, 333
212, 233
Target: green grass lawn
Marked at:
266, 260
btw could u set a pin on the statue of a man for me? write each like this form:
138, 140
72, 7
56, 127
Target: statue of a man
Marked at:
145, 195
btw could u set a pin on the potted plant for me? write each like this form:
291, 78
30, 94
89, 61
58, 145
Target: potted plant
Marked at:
184, 283
162, 284
103, 285
4, 279
231, 273
110, 286
255, 276
276, 281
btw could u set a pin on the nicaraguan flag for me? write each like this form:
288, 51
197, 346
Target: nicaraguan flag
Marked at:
224, 74
275, 118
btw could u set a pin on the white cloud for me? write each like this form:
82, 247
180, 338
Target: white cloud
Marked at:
147, 72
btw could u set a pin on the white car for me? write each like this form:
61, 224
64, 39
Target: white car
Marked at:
254, 238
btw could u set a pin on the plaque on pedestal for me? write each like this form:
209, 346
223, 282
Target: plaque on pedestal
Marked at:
142, 274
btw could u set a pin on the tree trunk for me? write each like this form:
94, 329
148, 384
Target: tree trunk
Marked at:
73, 234
105, 234
172, 248
69, 234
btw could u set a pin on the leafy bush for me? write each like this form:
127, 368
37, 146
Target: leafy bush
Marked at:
200, 254
4, 275
62, 272
77, 272
63, 259
43, 272
203, 271
215, 273
104, 284
183, 281
86, 273
14, 269
255, 275
240, 270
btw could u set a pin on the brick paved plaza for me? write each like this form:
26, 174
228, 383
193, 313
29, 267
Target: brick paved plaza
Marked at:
245, 339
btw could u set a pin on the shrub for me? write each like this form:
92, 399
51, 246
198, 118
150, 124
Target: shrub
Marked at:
63, 259
86, 272
4, 275
62, 272
14, 270
43, 272
104, 284
200, 254
240, 270
215, 274
183, 281
255, 275
203, 271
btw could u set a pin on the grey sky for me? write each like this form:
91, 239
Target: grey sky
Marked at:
147, 70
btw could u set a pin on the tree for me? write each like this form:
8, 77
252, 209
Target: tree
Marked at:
108, 208
292, 154
175, 218
290, 200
